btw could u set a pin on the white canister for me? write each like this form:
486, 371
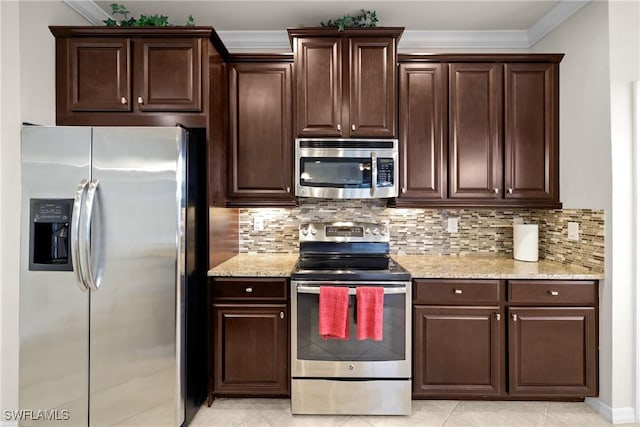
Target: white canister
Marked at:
525, 242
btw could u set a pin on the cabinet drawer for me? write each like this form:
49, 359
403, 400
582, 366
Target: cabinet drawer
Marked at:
456, 291
551, 292
250, 289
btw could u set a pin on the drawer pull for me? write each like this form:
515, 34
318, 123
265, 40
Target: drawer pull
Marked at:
282, 314
123, 100
339, 127
553, 293
140, 100
248, 290
457, 291
514, 317
498, 317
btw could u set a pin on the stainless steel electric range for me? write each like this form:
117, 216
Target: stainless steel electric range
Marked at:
350, 376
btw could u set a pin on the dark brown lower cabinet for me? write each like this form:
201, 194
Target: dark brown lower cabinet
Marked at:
530, 339
552, 351
249, 337
457, 351
250, 346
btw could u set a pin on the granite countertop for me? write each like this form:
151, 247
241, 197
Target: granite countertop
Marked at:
490, 267
256, 265
420, 266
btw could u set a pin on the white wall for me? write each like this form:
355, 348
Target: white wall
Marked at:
624, 62
27, 93
595, 166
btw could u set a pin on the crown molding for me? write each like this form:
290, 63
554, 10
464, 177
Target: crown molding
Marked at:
556, 16
279, 40
89, 10
255, 40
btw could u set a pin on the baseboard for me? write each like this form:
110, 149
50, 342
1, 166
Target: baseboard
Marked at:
613, 415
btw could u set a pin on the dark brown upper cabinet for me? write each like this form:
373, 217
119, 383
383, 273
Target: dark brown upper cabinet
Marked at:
423, 132
133, 76
531, 132
475, 129
346, 82
261, 146
496, 140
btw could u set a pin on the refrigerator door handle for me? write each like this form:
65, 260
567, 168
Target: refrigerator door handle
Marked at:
76, 213
85, 236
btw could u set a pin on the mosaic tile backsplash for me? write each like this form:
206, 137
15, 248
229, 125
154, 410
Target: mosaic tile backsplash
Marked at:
424, 231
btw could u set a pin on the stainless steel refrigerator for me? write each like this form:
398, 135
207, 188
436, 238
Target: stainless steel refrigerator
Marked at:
112, 276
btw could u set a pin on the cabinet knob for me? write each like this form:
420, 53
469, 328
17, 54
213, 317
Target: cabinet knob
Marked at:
496, 190
404, 189
282, 314
514, 317
288, 189
249, 290
510, 191
498, 317
353, 127
553, 293
457, 291
339, 127
140, 100
123, 100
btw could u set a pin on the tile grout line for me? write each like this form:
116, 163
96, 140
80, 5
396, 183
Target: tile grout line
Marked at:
450, 413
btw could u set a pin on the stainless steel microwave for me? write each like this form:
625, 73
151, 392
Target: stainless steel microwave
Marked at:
346, 168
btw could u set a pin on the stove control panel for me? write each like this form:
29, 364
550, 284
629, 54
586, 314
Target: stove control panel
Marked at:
344, 232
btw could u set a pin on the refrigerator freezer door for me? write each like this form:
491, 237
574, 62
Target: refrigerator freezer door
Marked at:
135, 366
54, 312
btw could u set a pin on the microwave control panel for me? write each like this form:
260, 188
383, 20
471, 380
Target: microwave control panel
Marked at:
385, 172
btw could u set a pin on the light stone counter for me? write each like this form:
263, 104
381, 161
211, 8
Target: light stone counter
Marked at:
489, 267
256, 265
420, 267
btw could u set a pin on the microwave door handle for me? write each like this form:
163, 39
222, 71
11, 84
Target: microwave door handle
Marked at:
374, 173
76, 213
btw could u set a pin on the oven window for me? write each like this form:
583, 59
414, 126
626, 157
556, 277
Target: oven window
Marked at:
311, 346
335, 172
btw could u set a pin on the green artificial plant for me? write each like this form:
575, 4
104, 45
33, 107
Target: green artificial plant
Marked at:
144, 20
366, 19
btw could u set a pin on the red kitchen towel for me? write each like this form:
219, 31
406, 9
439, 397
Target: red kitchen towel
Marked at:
333, 312
370, 302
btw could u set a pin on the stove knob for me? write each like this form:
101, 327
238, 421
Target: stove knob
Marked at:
367, 230
383, 231
305, 231
313, 230
375, 230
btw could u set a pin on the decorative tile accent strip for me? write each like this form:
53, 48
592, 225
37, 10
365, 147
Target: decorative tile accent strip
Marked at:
424, 231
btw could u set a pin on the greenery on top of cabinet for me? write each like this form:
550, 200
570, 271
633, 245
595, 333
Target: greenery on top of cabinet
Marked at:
367, 19
144, 20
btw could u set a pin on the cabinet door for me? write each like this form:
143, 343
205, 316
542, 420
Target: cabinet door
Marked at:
531, 132
98, 75
475, 131
318, 87
168, 75
372, 83
423, 106
250, 348
552, 352
261, 144
457, 351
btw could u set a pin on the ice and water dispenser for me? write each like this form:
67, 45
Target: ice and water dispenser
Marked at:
49, 236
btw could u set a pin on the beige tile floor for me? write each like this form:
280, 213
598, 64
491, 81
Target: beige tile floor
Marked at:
425, 413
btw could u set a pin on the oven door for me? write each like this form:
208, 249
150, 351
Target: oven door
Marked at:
314, 357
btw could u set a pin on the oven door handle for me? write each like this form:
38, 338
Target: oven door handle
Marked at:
352, 291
